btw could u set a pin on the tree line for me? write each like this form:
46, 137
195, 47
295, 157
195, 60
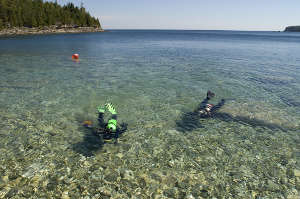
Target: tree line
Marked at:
37, 13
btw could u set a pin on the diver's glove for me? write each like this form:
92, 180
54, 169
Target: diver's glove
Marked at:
101, 109
111, 108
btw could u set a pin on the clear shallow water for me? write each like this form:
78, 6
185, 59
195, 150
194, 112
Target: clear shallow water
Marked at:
250, 149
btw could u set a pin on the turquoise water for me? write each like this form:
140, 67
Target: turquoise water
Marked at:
156, 79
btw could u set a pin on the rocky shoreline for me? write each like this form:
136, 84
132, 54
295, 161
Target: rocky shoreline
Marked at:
47, 30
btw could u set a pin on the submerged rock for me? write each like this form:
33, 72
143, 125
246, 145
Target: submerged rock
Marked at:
33, 170
297, 173
127, 174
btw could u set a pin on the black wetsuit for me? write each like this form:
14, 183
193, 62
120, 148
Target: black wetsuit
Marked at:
107, 133
201, 108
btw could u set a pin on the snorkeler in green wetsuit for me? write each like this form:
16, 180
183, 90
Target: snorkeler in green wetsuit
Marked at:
110, 129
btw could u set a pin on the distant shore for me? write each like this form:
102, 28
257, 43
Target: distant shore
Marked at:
292, 29
47, 30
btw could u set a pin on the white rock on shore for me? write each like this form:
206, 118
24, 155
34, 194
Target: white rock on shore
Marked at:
47, 30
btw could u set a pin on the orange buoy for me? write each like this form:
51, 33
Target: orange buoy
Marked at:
75, 56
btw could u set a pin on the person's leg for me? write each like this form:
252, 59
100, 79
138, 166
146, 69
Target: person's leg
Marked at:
101, 120
116, 136
123, 128
114, 116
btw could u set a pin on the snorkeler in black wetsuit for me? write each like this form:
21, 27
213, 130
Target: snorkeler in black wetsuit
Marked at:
207, 110
190, 120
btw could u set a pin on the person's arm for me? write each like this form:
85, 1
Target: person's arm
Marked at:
123, 128
116, 136
218, 106
119, 131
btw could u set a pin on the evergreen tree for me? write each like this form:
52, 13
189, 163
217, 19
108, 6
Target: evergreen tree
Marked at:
37, 13
1, 24
3, 13
20, 22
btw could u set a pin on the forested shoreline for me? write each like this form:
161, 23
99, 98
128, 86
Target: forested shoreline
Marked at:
41, 14
292, 29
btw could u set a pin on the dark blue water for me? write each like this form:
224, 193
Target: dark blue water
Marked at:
156, 79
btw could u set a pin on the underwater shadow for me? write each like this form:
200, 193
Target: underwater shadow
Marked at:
192, 120
90, 144
188, 122
249, 121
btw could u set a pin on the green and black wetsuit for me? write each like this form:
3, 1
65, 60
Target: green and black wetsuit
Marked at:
110, 129
105, 131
